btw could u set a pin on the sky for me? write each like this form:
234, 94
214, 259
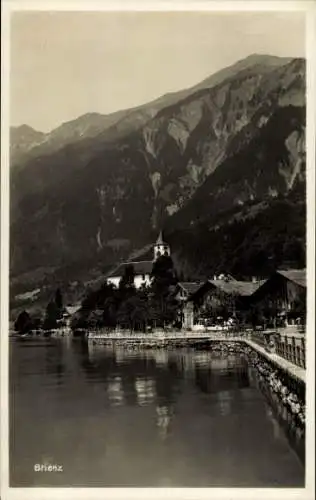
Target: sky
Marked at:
65, 64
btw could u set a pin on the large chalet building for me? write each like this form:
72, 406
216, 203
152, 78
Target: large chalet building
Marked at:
282, 298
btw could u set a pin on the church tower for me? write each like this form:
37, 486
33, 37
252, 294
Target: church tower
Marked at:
161, 247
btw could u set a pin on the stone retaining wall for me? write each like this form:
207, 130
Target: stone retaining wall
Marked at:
146, 341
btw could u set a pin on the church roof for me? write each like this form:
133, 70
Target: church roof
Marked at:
140, 268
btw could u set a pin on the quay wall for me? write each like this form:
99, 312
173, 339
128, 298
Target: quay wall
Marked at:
202, 340
294, 371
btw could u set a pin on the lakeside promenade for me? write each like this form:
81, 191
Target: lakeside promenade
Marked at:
293, 370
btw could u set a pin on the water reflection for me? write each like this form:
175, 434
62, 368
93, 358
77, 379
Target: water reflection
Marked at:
164, 417
115, 417
115, 391
224, 399
275, 425
145, 390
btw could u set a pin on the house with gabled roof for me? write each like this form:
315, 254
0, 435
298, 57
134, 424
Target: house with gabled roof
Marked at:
283, 295
297, 276
207, 300
185, 289
233, 287
183, 293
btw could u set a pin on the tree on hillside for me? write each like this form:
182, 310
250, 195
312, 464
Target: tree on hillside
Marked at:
59, 299
127, 280
163, 274
52, 316
106, 291
79, 321
110, 308
126, 287
163, 306
95, 299
133, 313
98, 308
37, 319
23, 323
95, 318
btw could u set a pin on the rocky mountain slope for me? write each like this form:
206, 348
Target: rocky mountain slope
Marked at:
193, 162
27, 143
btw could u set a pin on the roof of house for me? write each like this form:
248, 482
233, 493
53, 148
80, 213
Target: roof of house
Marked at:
232, 287
298, 276
140, 268
243, 288
190, 287
72, 309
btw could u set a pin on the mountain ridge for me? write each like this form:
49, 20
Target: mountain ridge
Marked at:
54, 138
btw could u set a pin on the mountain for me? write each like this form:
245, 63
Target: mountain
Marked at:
200, 163
86, 126
23, 139
27, 143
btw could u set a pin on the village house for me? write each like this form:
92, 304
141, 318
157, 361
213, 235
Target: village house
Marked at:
183, 293
64, 323
276, 302
282, 298
141, 269
218, 300
69, 312
185, 289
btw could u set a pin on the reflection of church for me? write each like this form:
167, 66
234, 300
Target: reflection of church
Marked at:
142, 269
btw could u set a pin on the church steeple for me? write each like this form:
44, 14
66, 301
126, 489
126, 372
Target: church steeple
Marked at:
159, 239
161, 247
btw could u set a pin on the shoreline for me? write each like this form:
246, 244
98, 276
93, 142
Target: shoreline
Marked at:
196, 340
199, 341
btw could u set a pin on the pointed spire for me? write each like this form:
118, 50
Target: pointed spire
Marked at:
159, 239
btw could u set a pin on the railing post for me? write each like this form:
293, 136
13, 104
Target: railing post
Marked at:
293, 350
303, 352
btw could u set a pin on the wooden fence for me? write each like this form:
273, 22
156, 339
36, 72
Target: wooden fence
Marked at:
292, 348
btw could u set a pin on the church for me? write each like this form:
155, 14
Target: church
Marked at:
142, 269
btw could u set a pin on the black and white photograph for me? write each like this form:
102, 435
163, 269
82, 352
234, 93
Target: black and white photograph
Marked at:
156, 258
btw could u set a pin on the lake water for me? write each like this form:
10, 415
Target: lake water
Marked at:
166, 418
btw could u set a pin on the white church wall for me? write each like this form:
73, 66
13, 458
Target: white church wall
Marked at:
138, 280
115, 280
